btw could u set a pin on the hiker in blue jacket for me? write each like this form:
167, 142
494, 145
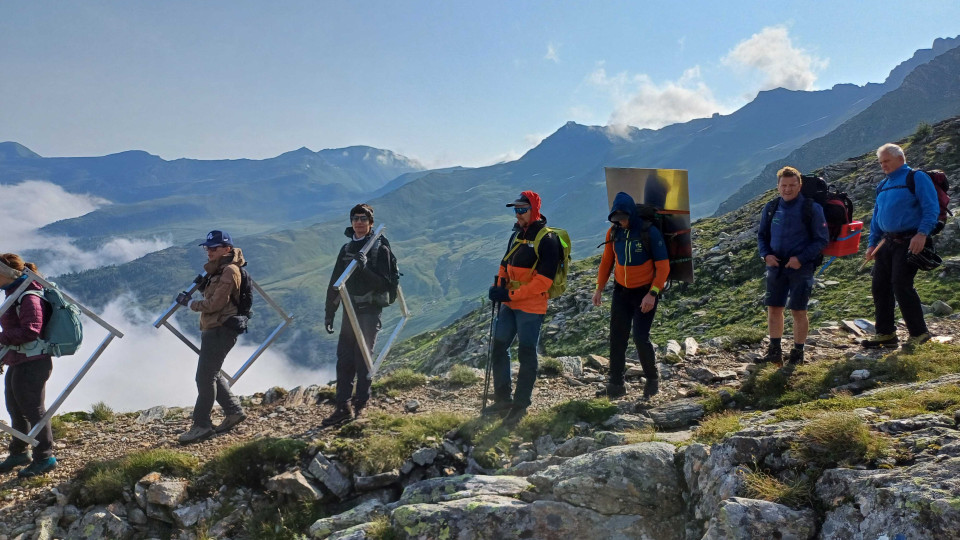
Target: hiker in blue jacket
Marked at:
792, 234
903, 219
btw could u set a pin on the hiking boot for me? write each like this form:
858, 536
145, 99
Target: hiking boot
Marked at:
796, 356
38, 467
358, 409
774, 355
513, 417
651, 388
612, 391
881, 341
196, 434
13, 461
229, 422
914, 341
498, 408
339, 416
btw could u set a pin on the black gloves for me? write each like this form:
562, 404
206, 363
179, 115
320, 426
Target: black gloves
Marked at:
183, 298
361, 259
328, 324
499, 294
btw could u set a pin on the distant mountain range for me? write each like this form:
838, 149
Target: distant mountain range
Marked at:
449, 227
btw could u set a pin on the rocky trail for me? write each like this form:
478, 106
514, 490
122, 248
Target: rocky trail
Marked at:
599, 475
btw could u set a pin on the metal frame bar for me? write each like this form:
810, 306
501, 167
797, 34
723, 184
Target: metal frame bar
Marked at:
341, 286
30, 437
163, 320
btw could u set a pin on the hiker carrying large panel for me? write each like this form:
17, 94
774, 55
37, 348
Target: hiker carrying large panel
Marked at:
903, 220
26, 378
221, 301
370, 289
792, 233
636, 253
526, 273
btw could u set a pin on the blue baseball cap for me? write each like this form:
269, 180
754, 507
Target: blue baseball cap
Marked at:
218, 238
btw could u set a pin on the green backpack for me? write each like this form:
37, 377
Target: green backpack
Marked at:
559, 285
62, 333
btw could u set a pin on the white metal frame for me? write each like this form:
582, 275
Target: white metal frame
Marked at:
341, 286
287, 319
30, 437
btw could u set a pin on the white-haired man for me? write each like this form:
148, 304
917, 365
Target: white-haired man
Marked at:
905, 213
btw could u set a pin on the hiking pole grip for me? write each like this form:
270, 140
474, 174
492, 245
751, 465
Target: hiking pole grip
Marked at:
875, 250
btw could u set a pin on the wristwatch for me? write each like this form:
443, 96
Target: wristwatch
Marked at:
654, 293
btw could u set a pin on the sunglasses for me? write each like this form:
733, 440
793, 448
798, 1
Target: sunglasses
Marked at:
211, 248
520, 210
362, 219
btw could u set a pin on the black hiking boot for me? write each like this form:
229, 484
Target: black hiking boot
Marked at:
513, 417
774, 355
498, 408
796, 356
612, 391
339, 416
358, 408
881, 341
651, 388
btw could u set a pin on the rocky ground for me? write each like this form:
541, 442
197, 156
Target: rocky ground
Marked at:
695, 375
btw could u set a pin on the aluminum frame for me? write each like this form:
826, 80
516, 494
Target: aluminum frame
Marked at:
30, 438
341, 286
232, 379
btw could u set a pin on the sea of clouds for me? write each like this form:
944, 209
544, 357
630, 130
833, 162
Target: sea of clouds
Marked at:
148, 366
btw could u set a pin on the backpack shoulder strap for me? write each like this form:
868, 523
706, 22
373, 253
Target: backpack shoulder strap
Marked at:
770, 209
912, 181
513, 245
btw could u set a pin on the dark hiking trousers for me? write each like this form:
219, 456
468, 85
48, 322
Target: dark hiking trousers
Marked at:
25, 391
350, 363
215, 343
526, 328
893, 284
624, 313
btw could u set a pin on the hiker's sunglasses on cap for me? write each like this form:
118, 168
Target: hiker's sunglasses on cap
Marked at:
361, 218
520, 210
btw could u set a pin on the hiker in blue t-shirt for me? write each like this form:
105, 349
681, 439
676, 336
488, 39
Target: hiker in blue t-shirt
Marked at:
792, 234
902, 219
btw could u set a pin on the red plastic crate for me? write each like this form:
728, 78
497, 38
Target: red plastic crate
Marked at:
847, 243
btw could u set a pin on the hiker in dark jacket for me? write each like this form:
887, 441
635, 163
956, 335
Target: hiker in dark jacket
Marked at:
27, 371
904, 221
221, 297
369, 289
640, 273
792, 233
522, 282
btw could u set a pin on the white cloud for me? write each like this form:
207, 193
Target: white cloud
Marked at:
150, 366
533, 139
28, 206
641, 102
553, 52
782, 65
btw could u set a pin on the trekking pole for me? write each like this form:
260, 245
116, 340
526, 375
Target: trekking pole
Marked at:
486, 378
875, 250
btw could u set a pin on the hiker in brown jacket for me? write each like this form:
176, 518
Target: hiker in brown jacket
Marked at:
221, 295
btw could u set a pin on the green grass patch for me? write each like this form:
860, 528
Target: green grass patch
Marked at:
492, 439
102, 482
286, 521
716, 427
76, 416
840, 438
461, 375
383, 441
742, 335
550, 367
381, 529
711, 398
101, 412
249, 464
401, 379
795, 494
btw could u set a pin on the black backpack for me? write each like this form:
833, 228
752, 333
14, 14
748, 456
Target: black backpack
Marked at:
678, 252
393, 272
942, 186
245, 297
837, 206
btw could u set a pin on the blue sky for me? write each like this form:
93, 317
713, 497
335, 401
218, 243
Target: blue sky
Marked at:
443, 82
